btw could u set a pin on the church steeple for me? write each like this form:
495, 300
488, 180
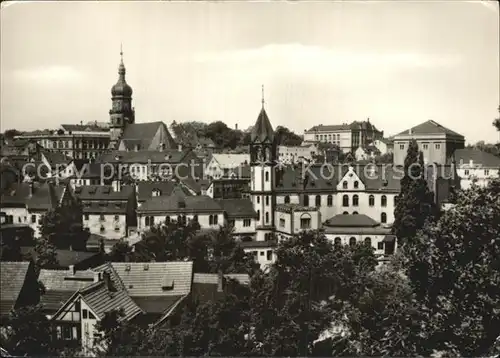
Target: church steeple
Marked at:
121, 112
262, 131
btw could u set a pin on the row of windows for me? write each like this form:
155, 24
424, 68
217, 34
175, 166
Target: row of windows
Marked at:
345, 200
425, 146
352, 241
101, 217
266, 216
268, 253
486, 172
329, 137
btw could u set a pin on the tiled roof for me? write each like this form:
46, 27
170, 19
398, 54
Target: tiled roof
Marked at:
384, 178
60, 285
12, 279
145, 189
83, 128
348, 220
429, 127
147, 279
104, 207
45, 196
65, 258
104, 192
231, 160
478, 157
213, 278
195, 185
144, 133
101, 300
173, 203
262, 130
238, 208
156, 304
55, 158
145, 156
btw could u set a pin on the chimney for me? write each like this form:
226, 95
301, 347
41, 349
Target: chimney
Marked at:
32, 188
179, 147
220, 281
470, 163
236, 126
410, 131
72, 270
107, 281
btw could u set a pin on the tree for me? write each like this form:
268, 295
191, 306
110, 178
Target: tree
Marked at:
415, 203
454, 265
291, 304
46, 253
27, 332
11, 133
286, 137
121, 252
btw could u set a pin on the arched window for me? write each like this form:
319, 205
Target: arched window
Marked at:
210, 220
306, 200
368, 241
345, 213
344, 185
258, 200
267, 217
267, 176
352, 241
356, 184
287, 199
395, 200
355, 200
329, 200
345, 200
318, 200
258, 215
267, 200
355, 213
338, 241
383, 200
371, 200
383, 218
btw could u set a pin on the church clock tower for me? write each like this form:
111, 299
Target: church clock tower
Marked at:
121, 112
263, 155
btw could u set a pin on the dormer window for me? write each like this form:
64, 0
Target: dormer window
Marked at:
156, 192
167, 284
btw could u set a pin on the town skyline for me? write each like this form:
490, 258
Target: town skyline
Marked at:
440, 64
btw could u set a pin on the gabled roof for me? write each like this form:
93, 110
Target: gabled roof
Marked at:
144, 133
171, 204
478, 158
147, 279
238, 208
45, 196
329, 128
262, 130
145, 189
55, 158
12, 279
60, 285
348, 220
83, 128
428, 127
104, 192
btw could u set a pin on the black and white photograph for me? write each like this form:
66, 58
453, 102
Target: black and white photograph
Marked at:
250, 178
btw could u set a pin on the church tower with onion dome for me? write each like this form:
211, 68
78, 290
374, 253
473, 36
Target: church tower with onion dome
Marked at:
121, 112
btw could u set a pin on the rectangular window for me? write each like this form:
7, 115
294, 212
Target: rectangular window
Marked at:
33, 219
438, 146
85, 314
401, 146
102, 218
269, 255
380, 246
262, 253
86, 216
305, 223
66, 332
247, 222
425, 146
486, 172
282, 222
466, 172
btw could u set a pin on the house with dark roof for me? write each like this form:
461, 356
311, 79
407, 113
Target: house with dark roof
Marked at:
108, 211
80, 260
436, 142
475, 167
26, 203
158, 209
151, 136
19, 287
351, 229
241, 216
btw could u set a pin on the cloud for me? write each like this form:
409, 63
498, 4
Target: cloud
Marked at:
310, 60
50, 74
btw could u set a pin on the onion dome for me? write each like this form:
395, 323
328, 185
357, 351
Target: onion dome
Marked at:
121, 88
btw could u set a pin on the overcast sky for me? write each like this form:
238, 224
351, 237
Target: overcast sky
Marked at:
398, 63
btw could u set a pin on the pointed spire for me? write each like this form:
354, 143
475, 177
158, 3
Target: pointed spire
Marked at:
121, 68
263, 101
